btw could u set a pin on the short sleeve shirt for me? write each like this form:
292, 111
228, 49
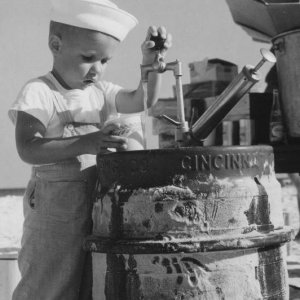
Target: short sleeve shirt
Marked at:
92, 105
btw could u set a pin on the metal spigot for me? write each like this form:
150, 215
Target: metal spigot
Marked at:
157, 66
160, 66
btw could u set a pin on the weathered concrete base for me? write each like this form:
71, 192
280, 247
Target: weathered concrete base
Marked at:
235, 275
189, 192
189, 224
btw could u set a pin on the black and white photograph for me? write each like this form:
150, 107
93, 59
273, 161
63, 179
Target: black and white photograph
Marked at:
150, 150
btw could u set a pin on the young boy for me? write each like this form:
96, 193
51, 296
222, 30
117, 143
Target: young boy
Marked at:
57, 118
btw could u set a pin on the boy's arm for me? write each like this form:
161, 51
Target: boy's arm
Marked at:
133, 101
33, 148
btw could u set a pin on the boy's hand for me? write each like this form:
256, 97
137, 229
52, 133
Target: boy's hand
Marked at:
148, 50
99, 141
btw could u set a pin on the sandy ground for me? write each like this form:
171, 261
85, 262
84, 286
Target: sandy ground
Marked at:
11, 219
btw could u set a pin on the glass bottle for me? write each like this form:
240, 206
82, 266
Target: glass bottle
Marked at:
276, 134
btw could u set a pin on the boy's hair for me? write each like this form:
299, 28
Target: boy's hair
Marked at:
60, 29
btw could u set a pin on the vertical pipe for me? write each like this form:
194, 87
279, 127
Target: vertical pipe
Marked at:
180, 103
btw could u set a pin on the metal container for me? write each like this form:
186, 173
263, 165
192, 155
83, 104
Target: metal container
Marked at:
287, 52
189, 223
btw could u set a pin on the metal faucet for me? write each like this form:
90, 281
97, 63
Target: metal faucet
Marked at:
241, 84
160, 66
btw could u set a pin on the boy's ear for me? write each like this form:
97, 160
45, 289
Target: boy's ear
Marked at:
55, 43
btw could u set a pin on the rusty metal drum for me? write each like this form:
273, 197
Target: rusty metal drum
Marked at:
286, 47
189, 223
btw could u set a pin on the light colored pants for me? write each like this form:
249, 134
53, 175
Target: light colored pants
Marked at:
57, 209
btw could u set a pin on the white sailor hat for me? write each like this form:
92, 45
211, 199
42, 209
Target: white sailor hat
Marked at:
100, 15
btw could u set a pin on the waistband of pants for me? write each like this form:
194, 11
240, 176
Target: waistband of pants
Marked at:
67, 170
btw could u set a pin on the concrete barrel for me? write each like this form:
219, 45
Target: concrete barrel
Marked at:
189, 223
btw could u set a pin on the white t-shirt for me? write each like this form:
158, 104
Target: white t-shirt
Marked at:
91, 105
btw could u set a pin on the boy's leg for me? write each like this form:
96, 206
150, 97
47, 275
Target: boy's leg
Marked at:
52, 261
50, 270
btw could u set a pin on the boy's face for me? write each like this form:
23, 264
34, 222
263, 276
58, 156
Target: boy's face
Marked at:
83, 56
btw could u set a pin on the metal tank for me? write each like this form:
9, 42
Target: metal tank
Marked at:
191, 222
286, 47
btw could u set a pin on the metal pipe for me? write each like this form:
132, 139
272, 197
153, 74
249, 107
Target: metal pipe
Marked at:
160, 66
182, 128
240, 85
224, 103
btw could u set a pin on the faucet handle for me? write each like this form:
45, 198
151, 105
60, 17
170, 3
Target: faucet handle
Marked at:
170, 120
159, 42
266, 56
